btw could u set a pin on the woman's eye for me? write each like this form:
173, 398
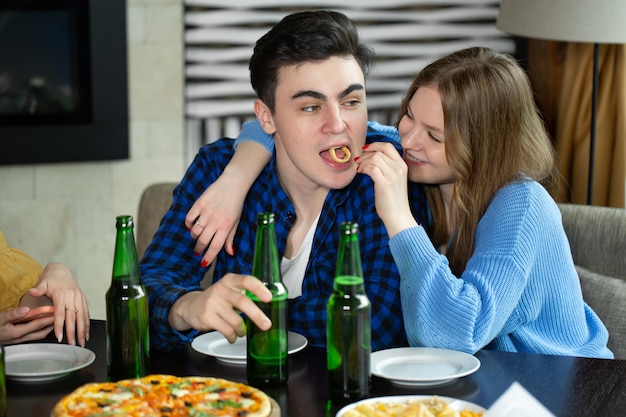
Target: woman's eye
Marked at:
435, 138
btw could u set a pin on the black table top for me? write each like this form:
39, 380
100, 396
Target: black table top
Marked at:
566, 386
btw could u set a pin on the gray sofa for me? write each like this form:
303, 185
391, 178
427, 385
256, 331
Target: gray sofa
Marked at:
597, 238
155, 200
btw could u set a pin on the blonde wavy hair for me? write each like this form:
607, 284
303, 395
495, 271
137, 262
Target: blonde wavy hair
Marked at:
494, 135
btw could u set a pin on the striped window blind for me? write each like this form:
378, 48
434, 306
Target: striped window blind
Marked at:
406, 35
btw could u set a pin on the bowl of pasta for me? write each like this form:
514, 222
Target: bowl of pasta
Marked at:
411, 405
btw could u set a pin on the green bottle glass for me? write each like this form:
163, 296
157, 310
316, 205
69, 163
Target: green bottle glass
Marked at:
3, 387
267, 350
128, 337
348, 325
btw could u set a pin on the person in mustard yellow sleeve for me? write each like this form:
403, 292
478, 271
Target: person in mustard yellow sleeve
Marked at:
35, 300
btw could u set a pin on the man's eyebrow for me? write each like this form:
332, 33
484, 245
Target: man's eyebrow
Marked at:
350, 89
310, 93
319, 96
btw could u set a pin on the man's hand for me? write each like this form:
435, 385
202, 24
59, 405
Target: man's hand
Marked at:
219, 307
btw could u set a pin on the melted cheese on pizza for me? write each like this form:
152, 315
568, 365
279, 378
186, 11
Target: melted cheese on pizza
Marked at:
165, 395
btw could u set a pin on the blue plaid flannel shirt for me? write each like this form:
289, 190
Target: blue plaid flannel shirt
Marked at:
169, 268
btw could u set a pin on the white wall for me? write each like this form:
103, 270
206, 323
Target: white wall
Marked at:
66, 212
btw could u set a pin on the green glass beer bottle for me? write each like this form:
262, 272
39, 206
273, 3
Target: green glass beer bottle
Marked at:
3, 388
127, 335
348, 316
267, 350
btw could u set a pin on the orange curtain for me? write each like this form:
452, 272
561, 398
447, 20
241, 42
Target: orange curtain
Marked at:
561, 74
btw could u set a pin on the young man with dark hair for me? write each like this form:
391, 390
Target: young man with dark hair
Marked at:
309, 75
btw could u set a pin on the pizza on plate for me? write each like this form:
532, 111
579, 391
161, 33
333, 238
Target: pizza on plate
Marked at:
165, 395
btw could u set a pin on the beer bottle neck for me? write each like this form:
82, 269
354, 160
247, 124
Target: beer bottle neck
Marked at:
349, 273
348, 285
266, 266
349, 256
125, 263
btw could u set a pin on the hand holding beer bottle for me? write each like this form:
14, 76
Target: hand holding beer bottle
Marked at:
267, 349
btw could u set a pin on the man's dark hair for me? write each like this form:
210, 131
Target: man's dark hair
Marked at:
302, 37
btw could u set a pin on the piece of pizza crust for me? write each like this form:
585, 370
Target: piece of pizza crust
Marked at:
161, 395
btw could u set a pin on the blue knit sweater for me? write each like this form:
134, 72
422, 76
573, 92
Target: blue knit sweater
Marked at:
519, 291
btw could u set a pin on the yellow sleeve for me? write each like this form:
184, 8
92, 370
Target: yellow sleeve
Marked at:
18, 273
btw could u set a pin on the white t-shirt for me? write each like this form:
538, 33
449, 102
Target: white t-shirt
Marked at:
293, 269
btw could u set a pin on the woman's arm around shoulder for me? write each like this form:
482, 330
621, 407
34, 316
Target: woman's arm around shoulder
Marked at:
213, 219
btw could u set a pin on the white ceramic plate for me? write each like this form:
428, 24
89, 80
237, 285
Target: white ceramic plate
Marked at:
215, 344
455, 404
417, 366
44, 361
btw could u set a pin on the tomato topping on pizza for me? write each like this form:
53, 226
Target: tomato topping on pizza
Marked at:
165, 395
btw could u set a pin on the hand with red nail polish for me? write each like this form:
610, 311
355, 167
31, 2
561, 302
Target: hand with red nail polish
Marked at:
213, 219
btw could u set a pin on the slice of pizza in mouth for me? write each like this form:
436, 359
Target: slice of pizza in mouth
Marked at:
337, 151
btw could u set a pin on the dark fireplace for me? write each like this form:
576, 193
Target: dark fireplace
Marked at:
63, 81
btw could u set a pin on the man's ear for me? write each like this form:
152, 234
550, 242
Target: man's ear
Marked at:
264, 115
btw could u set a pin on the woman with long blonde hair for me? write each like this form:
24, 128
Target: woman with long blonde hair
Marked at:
493, 267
